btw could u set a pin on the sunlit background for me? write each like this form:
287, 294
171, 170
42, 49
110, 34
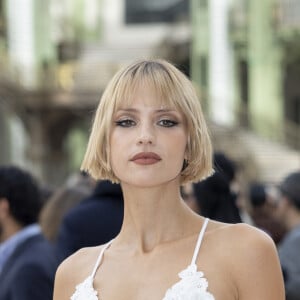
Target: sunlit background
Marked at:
56, 57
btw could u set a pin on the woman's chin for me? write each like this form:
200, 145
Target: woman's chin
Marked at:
149, 182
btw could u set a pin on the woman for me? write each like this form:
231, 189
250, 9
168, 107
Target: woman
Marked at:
149, 134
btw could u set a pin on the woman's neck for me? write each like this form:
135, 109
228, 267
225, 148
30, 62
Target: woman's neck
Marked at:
153, 216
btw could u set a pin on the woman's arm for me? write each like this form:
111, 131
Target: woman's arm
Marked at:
73, 271
62, 284
257, 269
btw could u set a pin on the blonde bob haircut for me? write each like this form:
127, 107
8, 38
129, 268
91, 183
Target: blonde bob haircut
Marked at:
174, 90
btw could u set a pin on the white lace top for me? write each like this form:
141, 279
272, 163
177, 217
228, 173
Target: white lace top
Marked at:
191, 286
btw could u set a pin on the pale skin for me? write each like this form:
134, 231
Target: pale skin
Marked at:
159, 232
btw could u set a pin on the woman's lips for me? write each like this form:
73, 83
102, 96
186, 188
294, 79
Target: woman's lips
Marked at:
146, 158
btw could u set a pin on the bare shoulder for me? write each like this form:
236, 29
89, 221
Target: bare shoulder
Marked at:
252, 241
73, 270
251, 260
242, 235
79, 260
246, 242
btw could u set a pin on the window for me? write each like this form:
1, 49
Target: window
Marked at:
145, 11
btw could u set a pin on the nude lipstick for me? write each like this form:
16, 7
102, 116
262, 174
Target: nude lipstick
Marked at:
146, 158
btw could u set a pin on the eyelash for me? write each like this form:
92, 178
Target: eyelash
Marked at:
163, 122
168, 123
125, 123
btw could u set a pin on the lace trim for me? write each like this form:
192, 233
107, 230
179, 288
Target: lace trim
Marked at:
192, 286
85, 291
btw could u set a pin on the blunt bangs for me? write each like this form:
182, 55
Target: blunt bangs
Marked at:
152, 76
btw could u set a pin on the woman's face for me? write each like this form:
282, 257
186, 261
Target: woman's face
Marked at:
148, 141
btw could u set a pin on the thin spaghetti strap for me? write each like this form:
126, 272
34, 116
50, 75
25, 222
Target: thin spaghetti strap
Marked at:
199, 241
99, 259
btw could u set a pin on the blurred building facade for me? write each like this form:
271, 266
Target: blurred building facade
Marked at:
39, 45
56, 57
245, 62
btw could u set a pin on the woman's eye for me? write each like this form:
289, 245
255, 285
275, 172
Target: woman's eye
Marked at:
167, 123
125, 123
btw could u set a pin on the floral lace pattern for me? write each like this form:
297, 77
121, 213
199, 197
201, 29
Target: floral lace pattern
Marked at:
85, 291
192, 286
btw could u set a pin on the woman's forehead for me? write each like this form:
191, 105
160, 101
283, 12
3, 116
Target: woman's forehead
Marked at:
146, 95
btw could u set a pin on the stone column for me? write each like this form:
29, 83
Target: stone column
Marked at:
264, 58
30, 48
221, 84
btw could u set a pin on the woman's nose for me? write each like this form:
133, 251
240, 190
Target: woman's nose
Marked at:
146, 135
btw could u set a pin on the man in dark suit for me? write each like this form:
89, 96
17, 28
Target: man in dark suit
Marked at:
27, 261
95, 221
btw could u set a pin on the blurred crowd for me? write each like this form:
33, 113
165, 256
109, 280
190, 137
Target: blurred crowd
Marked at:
41, 226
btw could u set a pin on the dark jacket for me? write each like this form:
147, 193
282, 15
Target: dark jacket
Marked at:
95, 221
29, 272
215, 199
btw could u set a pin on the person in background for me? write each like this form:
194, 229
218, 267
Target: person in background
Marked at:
288, 212
263, 209
214, 196
27, 260
59, 204
96, 220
